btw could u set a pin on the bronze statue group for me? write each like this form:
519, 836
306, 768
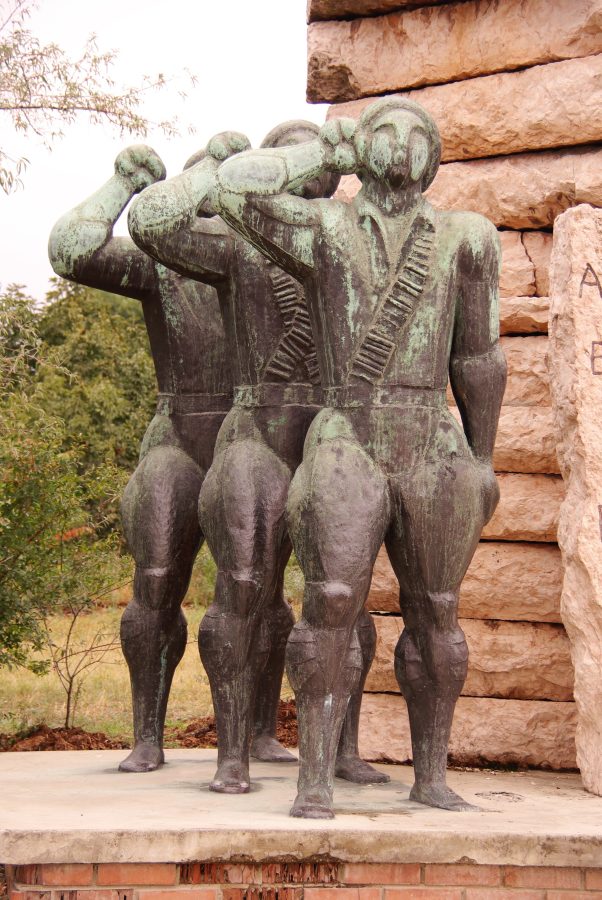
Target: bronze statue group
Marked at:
303, 347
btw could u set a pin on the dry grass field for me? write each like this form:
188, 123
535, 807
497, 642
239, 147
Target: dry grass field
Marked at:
104, 703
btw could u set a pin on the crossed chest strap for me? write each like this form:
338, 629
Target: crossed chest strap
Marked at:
398, 304
296, 345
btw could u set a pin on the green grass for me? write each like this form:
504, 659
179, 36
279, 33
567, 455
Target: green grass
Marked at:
105, 701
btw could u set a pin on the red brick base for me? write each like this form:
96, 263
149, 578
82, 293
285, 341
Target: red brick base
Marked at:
308, 880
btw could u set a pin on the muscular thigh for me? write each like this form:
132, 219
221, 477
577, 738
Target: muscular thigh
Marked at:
159, 508
436, 522
242, 503
338, 504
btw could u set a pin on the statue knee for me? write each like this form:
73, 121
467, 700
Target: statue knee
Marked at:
328, 604
237, 593
162, 587
163, 626
441, 609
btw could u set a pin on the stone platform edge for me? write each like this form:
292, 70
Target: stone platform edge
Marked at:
340, 844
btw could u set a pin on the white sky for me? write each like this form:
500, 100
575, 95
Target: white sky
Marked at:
250, 60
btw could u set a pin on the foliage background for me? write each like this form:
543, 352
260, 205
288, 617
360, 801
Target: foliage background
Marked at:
76, 392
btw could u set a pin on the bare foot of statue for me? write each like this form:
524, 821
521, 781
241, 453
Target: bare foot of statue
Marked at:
441, 796
232, 777
313, 804
267, 749
144, 757
357, 770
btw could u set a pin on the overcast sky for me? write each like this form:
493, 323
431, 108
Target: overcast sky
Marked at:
250, 61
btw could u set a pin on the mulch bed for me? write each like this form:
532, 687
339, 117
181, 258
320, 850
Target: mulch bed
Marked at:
41, 737
202, 732
197, 733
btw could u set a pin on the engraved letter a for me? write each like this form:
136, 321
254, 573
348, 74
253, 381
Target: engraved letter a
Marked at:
590, 279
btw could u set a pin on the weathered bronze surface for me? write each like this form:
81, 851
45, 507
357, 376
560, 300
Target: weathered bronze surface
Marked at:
159, 506
259, 447
400, 297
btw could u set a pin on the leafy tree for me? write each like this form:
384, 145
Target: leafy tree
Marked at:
42, 89
104, 388
55, 548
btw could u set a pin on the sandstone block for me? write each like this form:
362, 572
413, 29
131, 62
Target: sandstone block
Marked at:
513, 581
576, 380
517, 276
535, 109
526, 190
524, 315
528, 509
512, 660
340, 9
440, 44
511, 732
538, 245
528, 382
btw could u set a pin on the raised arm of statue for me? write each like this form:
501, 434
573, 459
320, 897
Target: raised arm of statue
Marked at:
478, 366
165, 222
261, 193
81, 245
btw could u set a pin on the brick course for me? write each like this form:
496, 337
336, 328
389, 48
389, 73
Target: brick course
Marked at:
319, 879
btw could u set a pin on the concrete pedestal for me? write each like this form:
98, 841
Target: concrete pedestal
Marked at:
71, 824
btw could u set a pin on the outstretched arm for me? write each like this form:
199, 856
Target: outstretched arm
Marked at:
256, 193
81, 245
164, 221
478, 366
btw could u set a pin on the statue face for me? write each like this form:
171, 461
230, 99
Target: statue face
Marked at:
395, 148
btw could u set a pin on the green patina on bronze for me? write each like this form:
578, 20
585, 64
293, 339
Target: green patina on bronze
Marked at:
339, 326
195, 392
242, 503
402, 298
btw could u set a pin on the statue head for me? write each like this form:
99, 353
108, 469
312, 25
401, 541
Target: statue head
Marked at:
300, 131
398, 142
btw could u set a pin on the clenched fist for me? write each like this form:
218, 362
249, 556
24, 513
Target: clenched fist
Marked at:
140, 166
226, 144
337, 140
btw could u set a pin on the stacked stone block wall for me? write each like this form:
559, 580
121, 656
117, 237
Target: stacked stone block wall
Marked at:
308, 880
516, 89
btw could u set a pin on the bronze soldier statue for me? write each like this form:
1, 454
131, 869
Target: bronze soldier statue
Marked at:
242, 502
401, 297
159, 507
